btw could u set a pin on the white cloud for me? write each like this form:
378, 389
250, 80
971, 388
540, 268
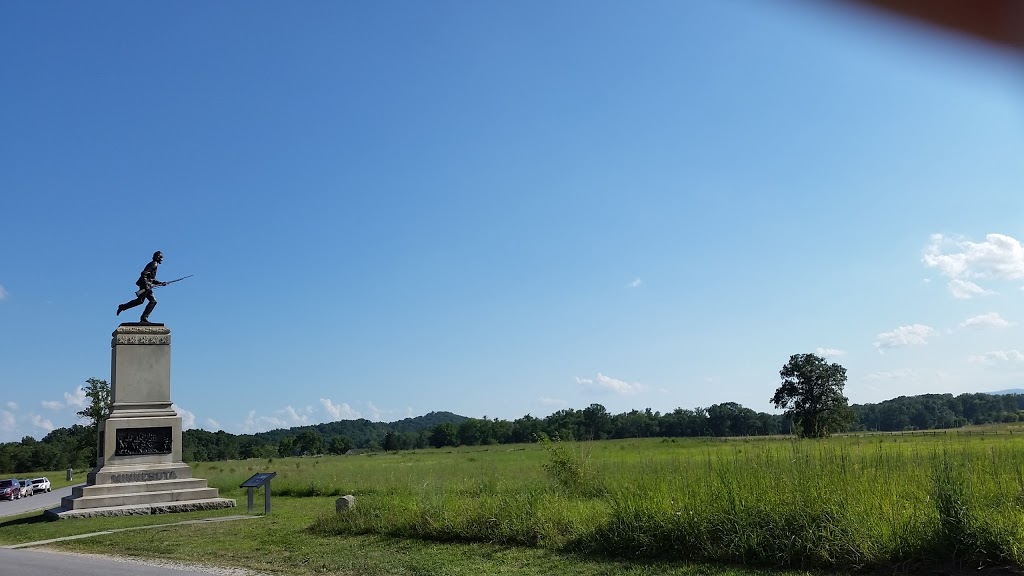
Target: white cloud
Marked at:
901, 374
374, 412
77, 399
188, 419
297, 417
636, 283
608, 384
11, 405
965, 289
830, 352
388, 414
40, 422
7, 421
286, 417
254, 423
213, 425
990, 320
339, 411
998, 357
999, 257
3, 292
914, 334
545, 401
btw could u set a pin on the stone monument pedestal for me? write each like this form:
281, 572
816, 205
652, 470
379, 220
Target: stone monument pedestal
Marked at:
138, 467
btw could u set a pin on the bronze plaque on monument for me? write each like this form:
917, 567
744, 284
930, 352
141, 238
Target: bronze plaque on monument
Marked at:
143, 441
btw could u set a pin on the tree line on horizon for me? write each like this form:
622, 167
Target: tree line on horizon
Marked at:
74, 446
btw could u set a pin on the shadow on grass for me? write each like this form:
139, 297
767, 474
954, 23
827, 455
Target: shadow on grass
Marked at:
940, 570
554, 561
656, 565
26, 521
922, 565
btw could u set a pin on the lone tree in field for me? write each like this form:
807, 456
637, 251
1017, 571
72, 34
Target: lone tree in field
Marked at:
812, 395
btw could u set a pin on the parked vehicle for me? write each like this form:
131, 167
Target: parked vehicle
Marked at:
26, 488
10, 489
41, 484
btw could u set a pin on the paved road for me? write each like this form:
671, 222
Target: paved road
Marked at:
40, 563
40, 501
34, 562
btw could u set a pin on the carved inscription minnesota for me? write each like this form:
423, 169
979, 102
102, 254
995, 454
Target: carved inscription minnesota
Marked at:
144, 476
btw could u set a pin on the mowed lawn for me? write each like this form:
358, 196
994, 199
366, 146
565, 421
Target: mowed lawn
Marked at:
651, 506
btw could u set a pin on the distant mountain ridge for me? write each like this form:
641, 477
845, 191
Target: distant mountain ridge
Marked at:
1007, 391
63, 447
362, 430
425, 422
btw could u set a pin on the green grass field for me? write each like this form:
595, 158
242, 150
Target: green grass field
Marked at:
58, 479
653, 506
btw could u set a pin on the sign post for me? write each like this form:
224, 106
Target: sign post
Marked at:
257, 480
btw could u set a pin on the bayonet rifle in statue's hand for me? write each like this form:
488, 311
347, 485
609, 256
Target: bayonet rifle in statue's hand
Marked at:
159, 284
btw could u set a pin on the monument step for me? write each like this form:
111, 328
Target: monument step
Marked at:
137, 487
152, 498
140, 509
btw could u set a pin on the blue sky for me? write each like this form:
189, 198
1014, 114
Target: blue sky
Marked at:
503, 208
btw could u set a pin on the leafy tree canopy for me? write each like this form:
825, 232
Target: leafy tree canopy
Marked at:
100, 402
812, 395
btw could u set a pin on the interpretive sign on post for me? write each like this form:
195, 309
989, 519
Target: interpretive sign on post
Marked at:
257, 480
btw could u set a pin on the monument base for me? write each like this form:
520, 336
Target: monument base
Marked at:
137, 490
140, 509
139, 470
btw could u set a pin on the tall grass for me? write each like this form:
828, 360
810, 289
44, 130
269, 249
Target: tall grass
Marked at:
850, 503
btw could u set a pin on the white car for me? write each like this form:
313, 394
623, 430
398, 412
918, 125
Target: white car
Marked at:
26, 488
41, 484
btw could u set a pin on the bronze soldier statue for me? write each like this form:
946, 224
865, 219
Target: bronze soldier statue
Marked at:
146, 282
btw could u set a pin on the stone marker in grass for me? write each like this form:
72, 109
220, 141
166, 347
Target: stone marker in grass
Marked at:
344, 503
